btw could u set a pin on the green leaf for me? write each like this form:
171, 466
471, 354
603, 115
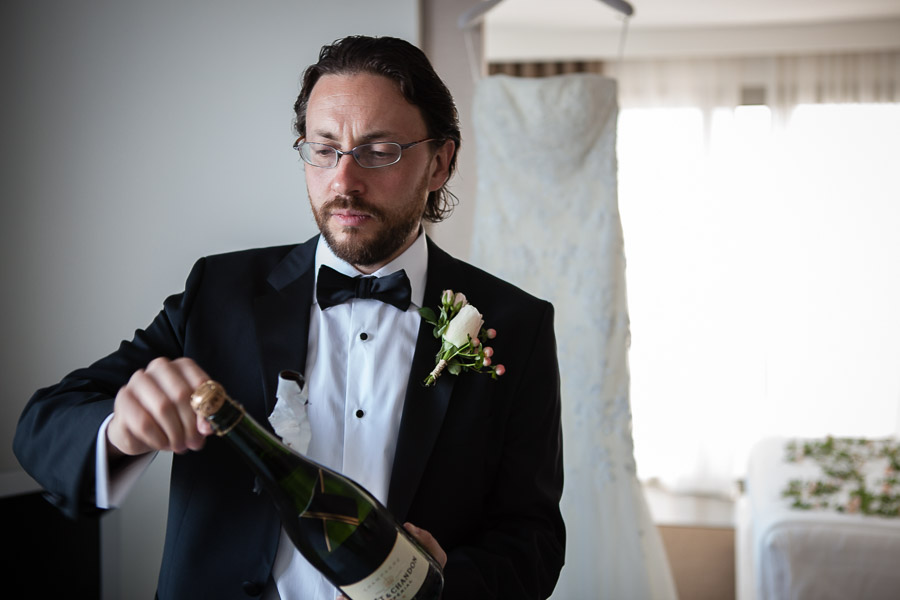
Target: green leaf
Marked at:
428, 315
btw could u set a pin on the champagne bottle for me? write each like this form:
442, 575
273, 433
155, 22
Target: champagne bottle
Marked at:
341, 529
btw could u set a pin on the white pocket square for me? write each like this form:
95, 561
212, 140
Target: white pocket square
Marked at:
289, 418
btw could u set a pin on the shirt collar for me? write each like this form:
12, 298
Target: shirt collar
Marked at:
414, 261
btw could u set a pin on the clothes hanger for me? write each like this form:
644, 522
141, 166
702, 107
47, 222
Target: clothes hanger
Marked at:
475, 15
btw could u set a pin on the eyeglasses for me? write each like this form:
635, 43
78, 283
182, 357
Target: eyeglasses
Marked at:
368, 156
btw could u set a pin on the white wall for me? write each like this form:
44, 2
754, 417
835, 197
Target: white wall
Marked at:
512, 44
445, 46
138, 136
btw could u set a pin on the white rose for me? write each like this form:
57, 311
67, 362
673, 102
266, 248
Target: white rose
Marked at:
466, 324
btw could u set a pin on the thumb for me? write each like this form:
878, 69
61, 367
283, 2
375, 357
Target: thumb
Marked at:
203, 426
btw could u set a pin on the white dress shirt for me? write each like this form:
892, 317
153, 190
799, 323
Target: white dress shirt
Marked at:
357, 365
357, 368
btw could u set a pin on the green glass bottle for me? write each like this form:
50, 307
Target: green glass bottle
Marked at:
341, 529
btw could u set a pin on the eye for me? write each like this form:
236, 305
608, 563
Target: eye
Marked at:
378, 153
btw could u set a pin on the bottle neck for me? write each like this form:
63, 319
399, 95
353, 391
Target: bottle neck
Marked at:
240, 429
227, 417
288, 476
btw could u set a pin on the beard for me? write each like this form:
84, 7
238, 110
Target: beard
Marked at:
393, 231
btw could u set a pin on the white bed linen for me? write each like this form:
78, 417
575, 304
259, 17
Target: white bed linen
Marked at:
808, 554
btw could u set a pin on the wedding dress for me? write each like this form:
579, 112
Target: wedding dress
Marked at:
547, 219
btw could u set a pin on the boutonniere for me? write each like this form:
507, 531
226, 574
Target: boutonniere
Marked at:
459, 326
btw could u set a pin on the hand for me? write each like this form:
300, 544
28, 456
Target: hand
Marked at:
428, 542
153, 410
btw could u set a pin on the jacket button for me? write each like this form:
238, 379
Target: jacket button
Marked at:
252, 588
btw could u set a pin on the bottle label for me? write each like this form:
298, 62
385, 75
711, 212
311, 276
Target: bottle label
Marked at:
398, 578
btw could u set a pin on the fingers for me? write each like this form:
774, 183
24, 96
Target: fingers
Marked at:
152, 411
428, 542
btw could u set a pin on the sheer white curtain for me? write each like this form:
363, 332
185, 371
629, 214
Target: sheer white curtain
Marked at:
763, 255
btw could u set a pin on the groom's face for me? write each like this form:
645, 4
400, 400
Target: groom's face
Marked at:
369, 216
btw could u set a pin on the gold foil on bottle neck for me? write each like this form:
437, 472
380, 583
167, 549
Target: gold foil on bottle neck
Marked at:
208, 398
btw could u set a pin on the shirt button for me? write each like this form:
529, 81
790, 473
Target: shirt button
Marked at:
364, 336
360, 413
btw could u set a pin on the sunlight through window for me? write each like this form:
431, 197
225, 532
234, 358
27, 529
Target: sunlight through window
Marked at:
763, 280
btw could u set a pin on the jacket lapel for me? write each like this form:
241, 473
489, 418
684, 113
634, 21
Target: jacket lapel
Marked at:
424, 407
282, 317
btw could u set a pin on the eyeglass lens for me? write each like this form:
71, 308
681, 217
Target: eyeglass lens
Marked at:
369, 156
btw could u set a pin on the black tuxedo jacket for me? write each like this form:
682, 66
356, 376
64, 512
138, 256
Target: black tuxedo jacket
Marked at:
478, 461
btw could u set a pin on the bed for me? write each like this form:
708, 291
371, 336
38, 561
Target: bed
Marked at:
842, 540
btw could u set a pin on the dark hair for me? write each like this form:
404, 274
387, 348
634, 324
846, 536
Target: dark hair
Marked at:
409, 68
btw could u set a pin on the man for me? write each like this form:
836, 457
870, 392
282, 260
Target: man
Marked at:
473, 461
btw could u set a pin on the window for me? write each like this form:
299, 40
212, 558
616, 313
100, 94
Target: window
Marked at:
763, 280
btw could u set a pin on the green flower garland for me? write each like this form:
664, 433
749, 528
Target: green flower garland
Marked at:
844, 485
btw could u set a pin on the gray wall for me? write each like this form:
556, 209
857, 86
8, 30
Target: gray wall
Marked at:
138, 136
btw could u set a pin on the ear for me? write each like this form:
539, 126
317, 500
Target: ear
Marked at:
440, 165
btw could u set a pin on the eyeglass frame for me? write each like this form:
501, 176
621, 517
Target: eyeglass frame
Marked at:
353, 152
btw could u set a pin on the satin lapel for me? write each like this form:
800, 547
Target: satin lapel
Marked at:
282, 317
424, 407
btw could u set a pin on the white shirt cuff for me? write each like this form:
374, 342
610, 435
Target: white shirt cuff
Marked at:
110, 493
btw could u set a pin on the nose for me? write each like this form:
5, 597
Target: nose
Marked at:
347, 177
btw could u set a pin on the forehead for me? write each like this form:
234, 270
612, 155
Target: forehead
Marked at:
361, 104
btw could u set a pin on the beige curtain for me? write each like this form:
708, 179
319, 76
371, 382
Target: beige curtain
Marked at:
779, 81
544, 69
826, 79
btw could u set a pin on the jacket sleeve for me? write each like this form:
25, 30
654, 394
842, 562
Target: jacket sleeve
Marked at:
55, 440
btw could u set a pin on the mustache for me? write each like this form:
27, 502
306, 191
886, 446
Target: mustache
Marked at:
351, 203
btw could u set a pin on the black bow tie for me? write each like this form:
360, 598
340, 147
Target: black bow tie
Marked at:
333, 287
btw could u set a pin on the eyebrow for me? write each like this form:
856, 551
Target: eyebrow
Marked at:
374, 136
